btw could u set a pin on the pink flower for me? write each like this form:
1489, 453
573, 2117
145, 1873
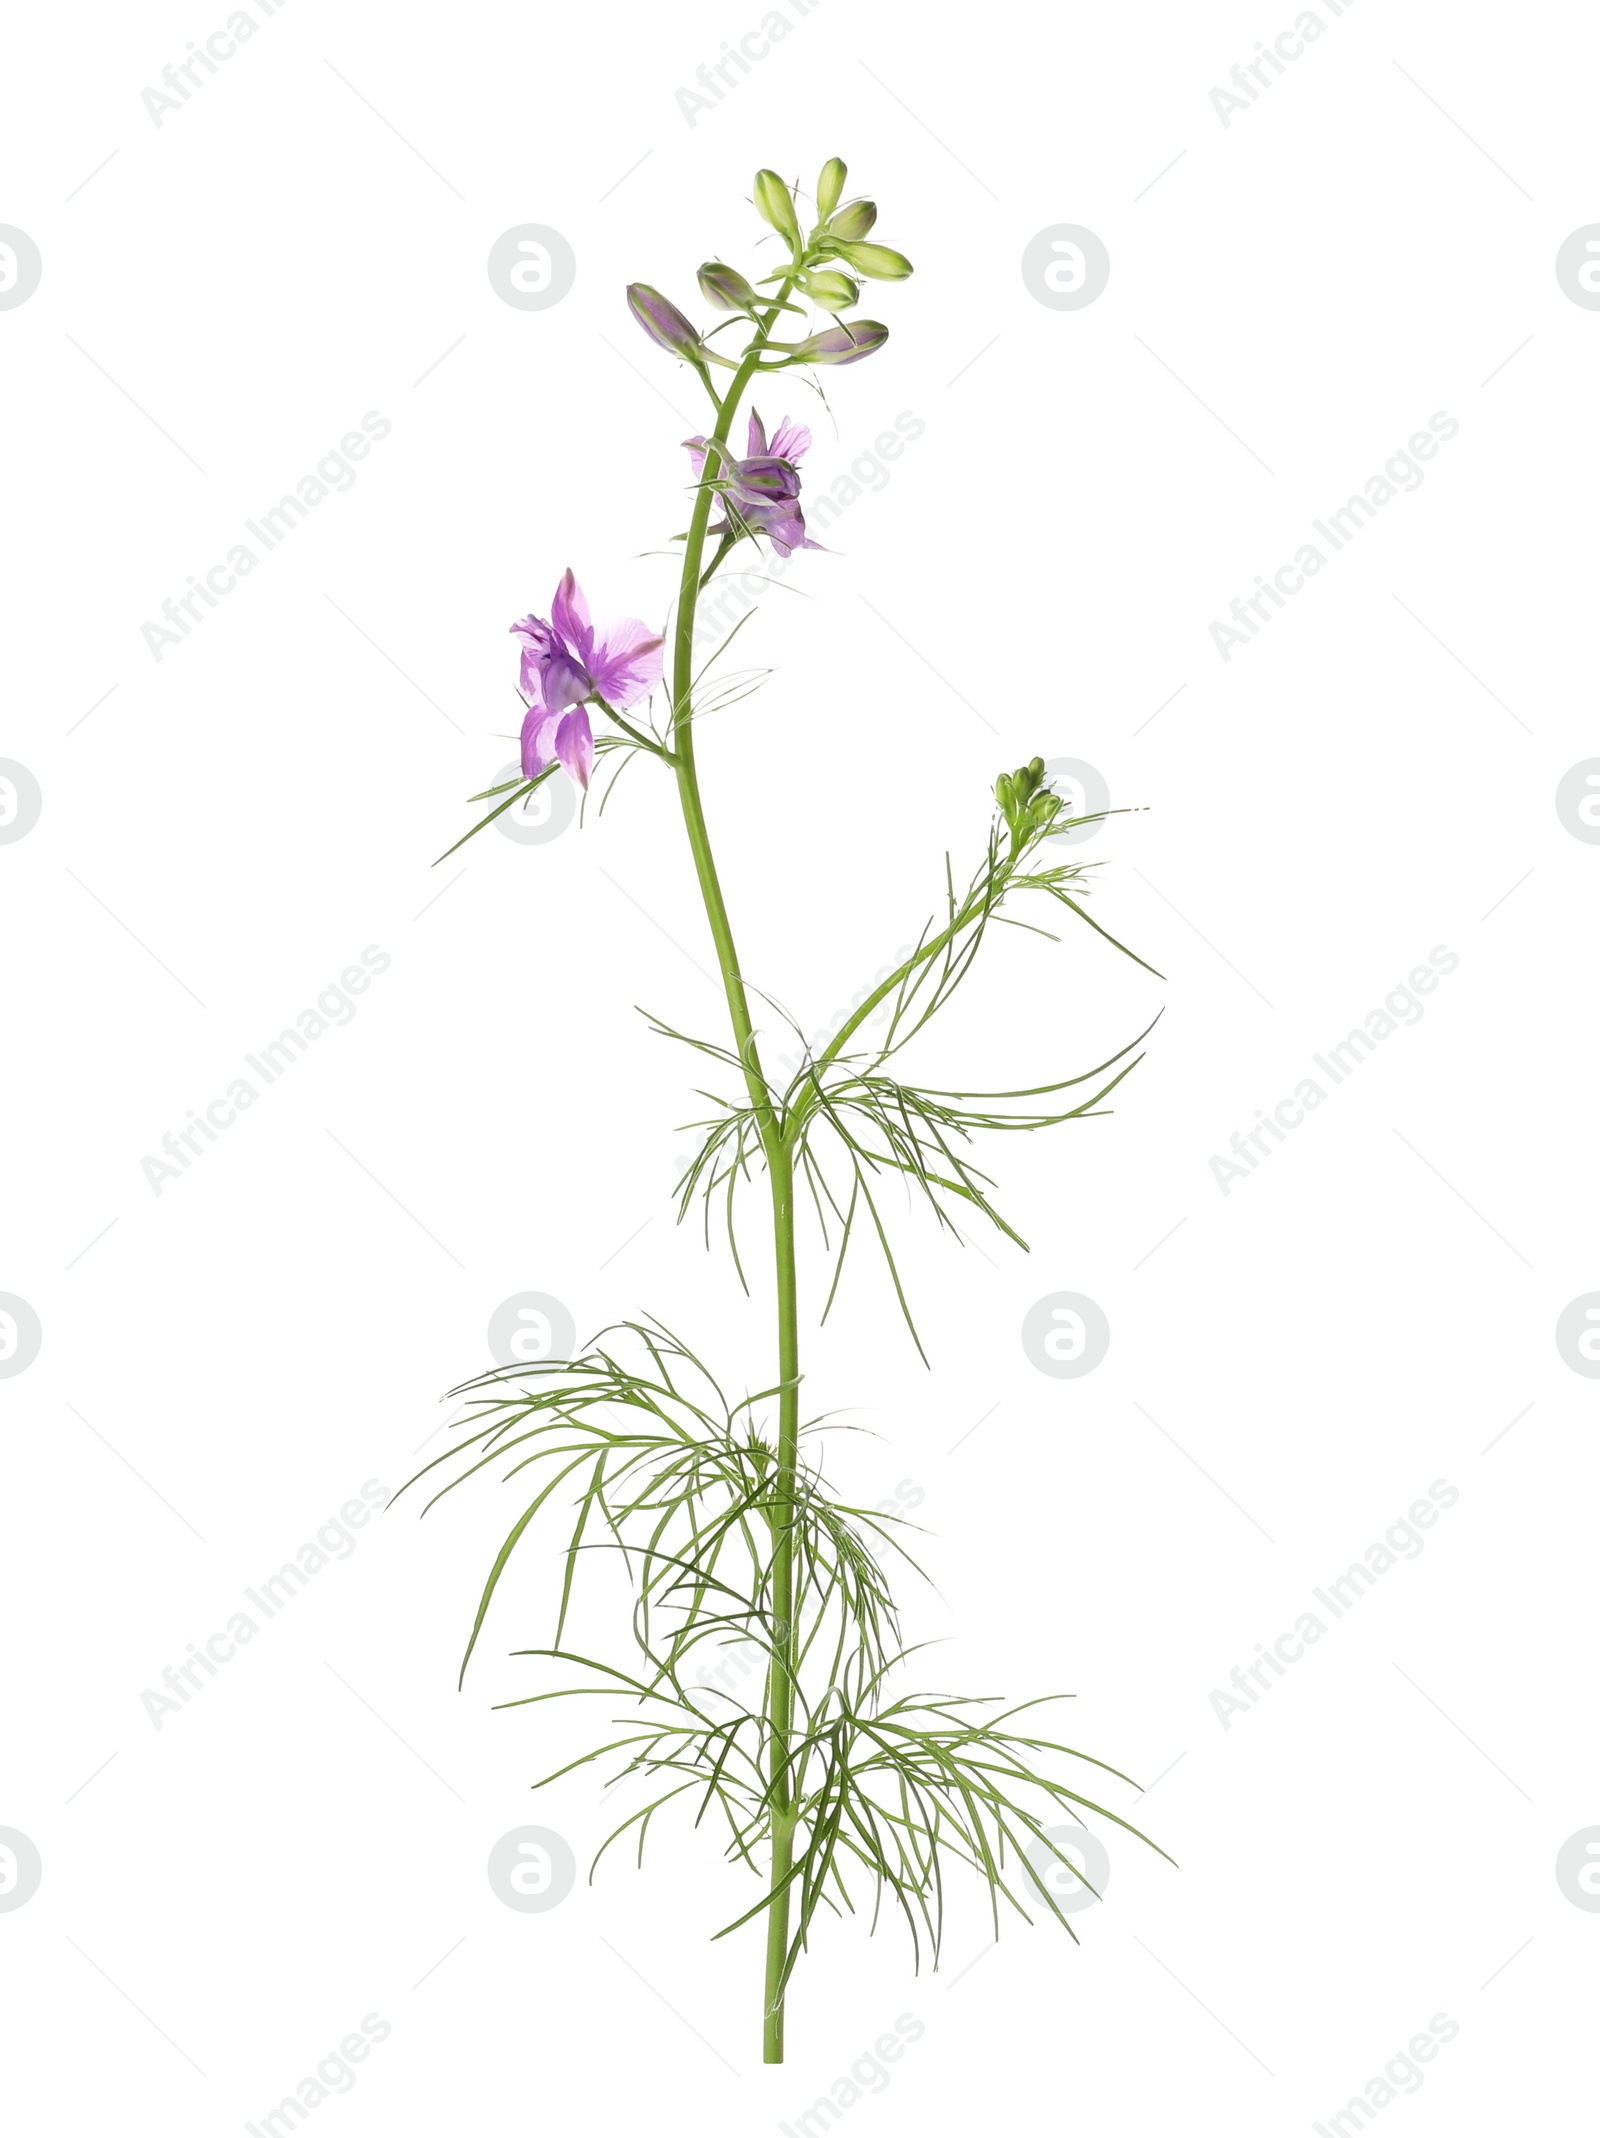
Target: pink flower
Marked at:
762, 491
566, 665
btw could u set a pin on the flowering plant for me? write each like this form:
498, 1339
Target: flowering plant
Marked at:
831, 1775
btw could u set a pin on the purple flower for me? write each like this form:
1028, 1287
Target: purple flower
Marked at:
763, 489
565, 664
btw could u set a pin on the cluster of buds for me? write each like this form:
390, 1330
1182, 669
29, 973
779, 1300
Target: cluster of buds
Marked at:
826, 265
1029, 806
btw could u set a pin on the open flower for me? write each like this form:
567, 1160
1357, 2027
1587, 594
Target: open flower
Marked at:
566, 664
763, 489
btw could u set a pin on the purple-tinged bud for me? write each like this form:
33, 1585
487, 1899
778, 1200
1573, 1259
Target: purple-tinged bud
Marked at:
775, 204
726, 288
833, 292
847, 343
853, 220
830, 186
663, 322
881, 263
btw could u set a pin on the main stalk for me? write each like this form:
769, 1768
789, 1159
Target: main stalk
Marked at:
780, 1170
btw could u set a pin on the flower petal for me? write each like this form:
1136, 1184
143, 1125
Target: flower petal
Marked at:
569, 613
575, 746
538, 727
758, 436
790, 441
626, 663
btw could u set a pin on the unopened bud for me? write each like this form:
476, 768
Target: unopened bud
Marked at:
1005, 793
832, 291
879, 262
853, 220
830, 186
726, 288
846, 343
775, 204
662, 320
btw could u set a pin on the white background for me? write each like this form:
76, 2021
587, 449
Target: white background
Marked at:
1371, 241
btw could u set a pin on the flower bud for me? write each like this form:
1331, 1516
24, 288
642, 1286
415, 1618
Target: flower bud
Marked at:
846, 343
881, 262
662, 321
726, 288
853, 220
829, 187
1005, 794
775, 204
1036, 769
832, 291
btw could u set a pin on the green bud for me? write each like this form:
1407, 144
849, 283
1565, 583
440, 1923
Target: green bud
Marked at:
880, 262
1005, 794
1036, 768
829, 187
726, 288
775, 203
832, 291
853, 220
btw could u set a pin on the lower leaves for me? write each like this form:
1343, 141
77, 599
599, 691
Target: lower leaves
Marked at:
874, 1793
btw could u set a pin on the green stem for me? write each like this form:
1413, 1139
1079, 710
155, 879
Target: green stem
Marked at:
780, 1168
